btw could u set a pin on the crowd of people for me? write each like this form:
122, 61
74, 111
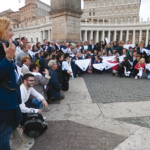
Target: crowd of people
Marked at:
33, 76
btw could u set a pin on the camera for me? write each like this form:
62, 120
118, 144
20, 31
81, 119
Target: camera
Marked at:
16, 43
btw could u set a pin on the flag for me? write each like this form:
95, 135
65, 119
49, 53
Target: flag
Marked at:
83, 64
146, 51
100, 66
109, 65
148, 67
108, 58
107, 41
121, 58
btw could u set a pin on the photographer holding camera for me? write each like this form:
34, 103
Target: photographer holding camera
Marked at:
10, 114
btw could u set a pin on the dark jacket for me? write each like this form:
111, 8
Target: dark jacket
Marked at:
44, 65
120, 48
43, 46
49, 50
59, 71
92, 49
65, 75
41, 59
135, 62
108, 49
10, 96
74, 66
55, 87
34, 59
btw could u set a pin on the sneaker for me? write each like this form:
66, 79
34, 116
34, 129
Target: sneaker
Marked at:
136, 77
140, 77
44, 118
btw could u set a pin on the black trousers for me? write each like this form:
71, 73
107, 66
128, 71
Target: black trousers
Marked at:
135, 72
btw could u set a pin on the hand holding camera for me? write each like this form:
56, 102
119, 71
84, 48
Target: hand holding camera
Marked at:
10, 51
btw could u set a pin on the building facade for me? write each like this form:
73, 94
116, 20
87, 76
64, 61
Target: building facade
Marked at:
112, 10
92, 27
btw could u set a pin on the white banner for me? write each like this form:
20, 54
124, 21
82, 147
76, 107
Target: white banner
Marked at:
83, 64
146, 51
32, 54
129, 45
105, 65
108, 58
148, 67
121, 58
107, 41
99, 66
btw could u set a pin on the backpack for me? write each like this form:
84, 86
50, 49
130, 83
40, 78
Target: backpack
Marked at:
34, 125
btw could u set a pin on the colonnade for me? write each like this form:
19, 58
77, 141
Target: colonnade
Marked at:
114, 35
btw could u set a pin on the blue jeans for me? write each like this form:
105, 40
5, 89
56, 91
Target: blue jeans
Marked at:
5, 133
37, 103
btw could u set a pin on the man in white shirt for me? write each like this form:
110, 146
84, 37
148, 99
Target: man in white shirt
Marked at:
26, 90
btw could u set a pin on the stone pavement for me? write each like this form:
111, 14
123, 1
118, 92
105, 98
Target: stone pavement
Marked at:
95, 116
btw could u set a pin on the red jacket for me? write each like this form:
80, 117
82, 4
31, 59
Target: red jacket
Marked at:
137, 66
115, 67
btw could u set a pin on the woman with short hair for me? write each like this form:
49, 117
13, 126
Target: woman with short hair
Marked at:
10, 98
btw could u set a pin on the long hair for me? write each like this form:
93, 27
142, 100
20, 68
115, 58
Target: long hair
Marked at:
140, 62
126, 61
4, 23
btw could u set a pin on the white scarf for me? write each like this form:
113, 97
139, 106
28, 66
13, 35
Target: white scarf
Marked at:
32, 54
146, 51
26, 66
148, 67
140, 74
58, 46
83, 64
127, 73
37, 74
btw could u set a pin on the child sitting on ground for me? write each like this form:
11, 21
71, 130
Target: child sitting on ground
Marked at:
139, 68
115, 68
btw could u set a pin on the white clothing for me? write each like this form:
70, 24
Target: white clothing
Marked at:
25, 96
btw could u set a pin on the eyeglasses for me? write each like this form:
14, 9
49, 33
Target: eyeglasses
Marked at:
31, 80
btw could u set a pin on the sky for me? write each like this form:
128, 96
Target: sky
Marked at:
14, 5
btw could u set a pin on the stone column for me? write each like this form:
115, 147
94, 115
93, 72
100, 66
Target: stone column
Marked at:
140, 35
133, 37
40, 37
91, 34
66, 16
127, 35
43, 34
121, 35
115, 32
97, 36
103, 35
109, 36
49, 35
85, 35
147, 35
81, 36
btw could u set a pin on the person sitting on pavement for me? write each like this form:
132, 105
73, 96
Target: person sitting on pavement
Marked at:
76, 70
34, 105
26, 63
54, 87
40, 81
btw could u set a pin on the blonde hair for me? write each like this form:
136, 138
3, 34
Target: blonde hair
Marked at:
104, 51
4, 24
140, 62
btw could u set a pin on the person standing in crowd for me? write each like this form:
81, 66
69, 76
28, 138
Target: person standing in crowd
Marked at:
76, 70
139, 66
115, 46
38, 45
129, 53
66, 72
92, 46
63, 47
57, 46
44, 63
35, 58
59, 58
124, 65
124, 51
136, 61
45, 45
22, 53
34, 48
148, 46
133, 57
10, 114
120, 48
40, 81
18, 48
85, 46
26, 63
108, 49
27, 105
55, 89
23, 40
78, 48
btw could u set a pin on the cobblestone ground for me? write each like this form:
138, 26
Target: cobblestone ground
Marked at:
68, 135
105, 88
